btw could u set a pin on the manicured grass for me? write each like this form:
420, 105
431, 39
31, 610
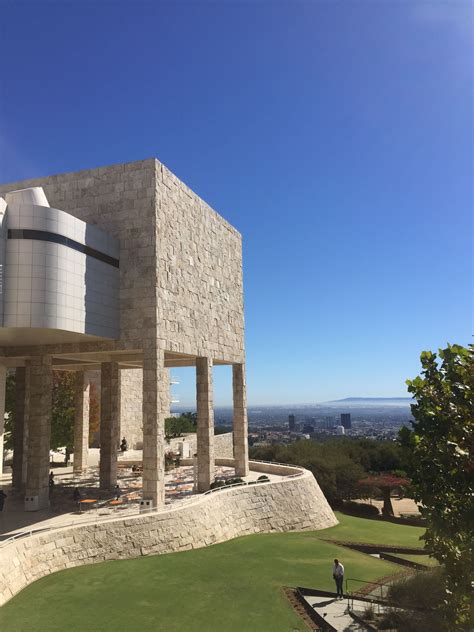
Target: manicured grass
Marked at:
419, 559
234, 586
352, 529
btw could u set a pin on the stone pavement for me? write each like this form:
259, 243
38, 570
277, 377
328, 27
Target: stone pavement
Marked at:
179, 484
335, 612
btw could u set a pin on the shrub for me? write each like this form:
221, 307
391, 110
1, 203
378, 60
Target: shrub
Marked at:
217, 484
234, 481
169, 461
360, 509
415, 604
263, 479
369, 613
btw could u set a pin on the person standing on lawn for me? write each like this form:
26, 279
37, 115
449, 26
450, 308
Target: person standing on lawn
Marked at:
338, 574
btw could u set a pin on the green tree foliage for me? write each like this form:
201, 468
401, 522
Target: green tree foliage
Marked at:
440, 450
178, 426
415, 602
218, 430
385, 484
9, 410
338, 464
62, 419
94, 412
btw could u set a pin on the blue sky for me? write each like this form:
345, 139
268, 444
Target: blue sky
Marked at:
336, 136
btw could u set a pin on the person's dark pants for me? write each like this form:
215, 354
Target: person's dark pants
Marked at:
339, 582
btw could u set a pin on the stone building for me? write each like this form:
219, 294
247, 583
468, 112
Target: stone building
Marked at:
117, 269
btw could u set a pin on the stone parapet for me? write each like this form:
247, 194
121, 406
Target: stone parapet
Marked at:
292, 504
223, 444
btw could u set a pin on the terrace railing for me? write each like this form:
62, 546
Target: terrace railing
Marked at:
134, 509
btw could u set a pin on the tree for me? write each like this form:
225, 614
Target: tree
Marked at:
9, 411
177, 426
386, 483
441, 458
94, 412
62, 418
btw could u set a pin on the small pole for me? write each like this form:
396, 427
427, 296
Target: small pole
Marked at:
195, 474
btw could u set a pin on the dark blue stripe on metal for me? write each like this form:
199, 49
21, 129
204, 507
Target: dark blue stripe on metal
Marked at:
43, 235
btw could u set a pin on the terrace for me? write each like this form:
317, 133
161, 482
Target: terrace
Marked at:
100, 505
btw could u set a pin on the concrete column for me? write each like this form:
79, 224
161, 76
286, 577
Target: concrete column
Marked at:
109, 423
81, 422
3, 381
155, 409
241, 448
205, 423
39, 428
20, 428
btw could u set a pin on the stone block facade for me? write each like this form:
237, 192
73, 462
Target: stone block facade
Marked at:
180, 303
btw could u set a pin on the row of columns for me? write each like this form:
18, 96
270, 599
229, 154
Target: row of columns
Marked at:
32, 430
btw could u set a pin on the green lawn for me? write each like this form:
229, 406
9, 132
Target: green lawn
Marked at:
419, 559
234, 586
351, 529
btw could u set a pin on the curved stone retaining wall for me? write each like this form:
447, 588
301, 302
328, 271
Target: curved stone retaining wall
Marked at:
292, 504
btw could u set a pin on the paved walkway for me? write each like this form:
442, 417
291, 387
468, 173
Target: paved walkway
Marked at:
336, 613
179, 484
401, 506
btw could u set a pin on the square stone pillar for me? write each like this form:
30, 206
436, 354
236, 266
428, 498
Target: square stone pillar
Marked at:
3, 381
205, 423
241, 448
81, 422
155, 409
39, 428
20, 428
109, 423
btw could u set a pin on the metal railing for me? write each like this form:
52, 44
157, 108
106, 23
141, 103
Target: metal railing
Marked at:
375, 602
137, 510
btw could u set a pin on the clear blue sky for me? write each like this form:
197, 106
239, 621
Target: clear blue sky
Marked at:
336, 136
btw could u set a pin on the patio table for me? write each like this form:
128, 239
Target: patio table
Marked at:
88, 502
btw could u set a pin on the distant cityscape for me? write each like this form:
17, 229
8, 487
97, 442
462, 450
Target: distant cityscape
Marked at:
373, 418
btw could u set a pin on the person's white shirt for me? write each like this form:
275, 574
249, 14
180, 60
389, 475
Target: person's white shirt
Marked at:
338, 570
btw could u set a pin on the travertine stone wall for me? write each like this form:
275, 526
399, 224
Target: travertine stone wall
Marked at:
39, 424
199, 274
295, 504
205, 423
109, 423
131, 421
20, 436
180, 262
241, 452
180, 277
120, 199
155, 410
223, 444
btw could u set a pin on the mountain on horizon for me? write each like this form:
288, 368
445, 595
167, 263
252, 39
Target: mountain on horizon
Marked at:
370, 399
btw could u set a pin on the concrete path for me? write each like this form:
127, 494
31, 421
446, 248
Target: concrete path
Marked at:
335, 612
401, 506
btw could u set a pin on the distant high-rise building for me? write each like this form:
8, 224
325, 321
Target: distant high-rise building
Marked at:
346, 420
330, 423
291, 423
